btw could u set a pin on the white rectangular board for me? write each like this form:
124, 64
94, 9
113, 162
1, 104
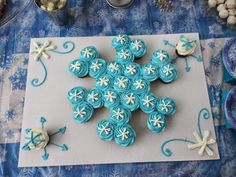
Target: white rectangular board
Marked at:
49, 100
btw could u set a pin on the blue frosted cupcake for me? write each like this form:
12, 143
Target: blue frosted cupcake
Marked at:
120, 115
131, 69
76, 95
150, 72
105, 130
104, 82
94, 97
111, 98
160, 57
122, 83
97, 68
140, 86
148, 102
156, 122
166, 106
124, 56
124, 135
114, 68
89, 53
120, 42
82, 112
130, 100
168, 73
138, 48
78, 68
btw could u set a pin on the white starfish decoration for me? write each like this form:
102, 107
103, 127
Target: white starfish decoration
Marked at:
76, 95
121, 82
105, 129
123, 134
130, 98
157, 121
161, 55
80, 112
131, 69
103, 81
168, 70
96, 65
75, 66
118, 114
113, 67
93, 96
202, 143
149, 69
164, 106
110, 96
40, 50
139, 84
137, 45
124, 54
148, 101
87, 53
121, 38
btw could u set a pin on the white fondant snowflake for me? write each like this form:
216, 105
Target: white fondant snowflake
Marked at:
40, 50
96, 65
161, 55
121, 38
130, 99
131, 69
168, 70
76, 95
157, 121
104, 128
148, 101
149, 69
110, 96
165, 106
103, 81
93, 96
139, 84
87, 53
80, 112
137, 45
119, 114
113, 67
75, 66
124, 54
121, 82
123, 134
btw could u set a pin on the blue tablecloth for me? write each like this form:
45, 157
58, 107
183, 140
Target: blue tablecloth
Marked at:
97, 18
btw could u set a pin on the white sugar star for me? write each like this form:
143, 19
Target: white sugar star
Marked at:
121, 82
103, 81
161, 55
124, 54
149, 69
40, 50
96, 65
110, 96
165, 106
93, 96
157, 121
131, 69
137, 45
130, 99
168, 70
118, 114
105, 129
148, 101
80, 112
113, 67
139, 84
75, 66
76, 95
121, 38
87, 53
123, 134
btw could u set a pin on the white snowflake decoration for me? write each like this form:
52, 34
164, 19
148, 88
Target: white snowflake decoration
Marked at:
41, 50
123, 134
104, 128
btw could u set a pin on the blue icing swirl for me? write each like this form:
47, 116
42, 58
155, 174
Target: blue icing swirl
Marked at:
82, 112
130, 100
89, 53
166, 106
78, 68
114, 68
111, 98
76, 95
131, 69
150, 71
156, 122
105, 130
94, 97
120, 42
148, 102
138, 48
140, 86
124, 135
97, 67
104, 82
124, 56
122, 83
120, 115
168, 73
160, 57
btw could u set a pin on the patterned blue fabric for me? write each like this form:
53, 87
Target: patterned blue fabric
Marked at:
97, 18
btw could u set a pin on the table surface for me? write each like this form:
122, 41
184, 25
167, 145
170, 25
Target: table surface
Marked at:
93, 18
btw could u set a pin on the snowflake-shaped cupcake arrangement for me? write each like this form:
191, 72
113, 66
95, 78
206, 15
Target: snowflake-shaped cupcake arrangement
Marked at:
122, 86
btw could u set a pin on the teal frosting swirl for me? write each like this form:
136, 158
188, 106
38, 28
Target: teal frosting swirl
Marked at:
140, 86
124, 135
166, 106
148, 102
78, 68
168, 73
130, 100
122, 83
76, 95
160, 57
131, 69
150, 71
114, 68
82, 112
124, 56
97, 67
156, 122
120, 115
94, 97
138, 48
111, 98
105, 130
120, 42
104, 82
89, 53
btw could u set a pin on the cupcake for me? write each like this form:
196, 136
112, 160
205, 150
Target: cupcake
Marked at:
114, 68
97, 67
156, 122
82, 112
138, 48
124, 135
131, 69
78, 68
166, 106
104, 82
185, 47
160, 57
130, 100
76, 95
124, 56
168, 73
150, 72
111, 98
122, 83
120, 42
140, 86
105, 130
148, 102
120, 115
89, 53
94, 97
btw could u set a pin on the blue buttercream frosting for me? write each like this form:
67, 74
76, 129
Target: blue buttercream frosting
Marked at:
130, 100
160, 57
78, 68
124, 56
76, 95
150, 71
166, 106
148, 102
97, 67
114, 68
131, 69
94, 97
104, 82
140, 86
138, 48
89, 53
122, 83
168, 73
105, 130
82, 112
120, 115
121, 42
111, 98
156, 122
124, 135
